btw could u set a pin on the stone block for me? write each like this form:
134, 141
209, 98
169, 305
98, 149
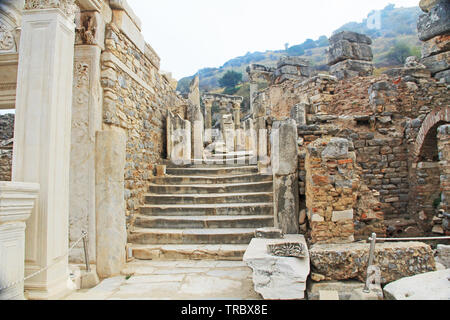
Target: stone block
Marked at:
437, 63
443, 76
436, 45
123, 21
286, 203
298, 113
436, 22
443, 254
336, 148
351, 36
343, 288
349, 261
344, 49
284, 148
342, 215
277, 278
293, 61
352, 68
427, 286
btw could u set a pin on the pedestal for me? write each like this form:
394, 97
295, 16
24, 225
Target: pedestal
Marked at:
16, 202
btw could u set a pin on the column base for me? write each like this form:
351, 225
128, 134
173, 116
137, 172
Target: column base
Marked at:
57, 291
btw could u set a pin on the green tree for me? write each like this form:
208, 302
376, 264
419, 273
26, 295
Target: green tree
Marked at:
230, 79
398, 54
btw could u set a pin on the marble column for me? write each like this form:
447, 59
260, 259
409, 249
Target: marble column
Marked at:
237, 114
17, 200
42, 139
285, 176
208, 119
110, 204
86, 121
253, 91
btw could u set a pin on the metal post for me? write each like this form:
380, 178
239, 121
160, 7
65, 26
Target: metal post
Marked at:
86, 251
371, 258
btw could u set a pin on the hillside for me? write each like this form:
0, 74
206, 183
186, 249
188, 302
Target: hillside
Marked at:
398, 26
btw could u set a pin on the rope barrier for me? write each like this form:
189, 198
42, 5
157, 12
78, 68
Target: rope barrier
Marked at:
84, 235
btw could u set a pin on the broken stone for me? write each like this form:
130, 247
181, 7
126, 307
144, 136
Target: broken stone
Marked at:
443, 254
427, 286
437, 63
277, 278
436, 45
349, 261
351, 68
269, 233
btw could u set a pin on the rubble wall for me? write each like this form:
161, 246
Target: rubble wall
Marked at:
136, 98
6, 152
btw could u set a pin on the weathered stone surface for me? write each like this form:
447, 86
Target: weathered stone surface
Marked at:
269, 233
336, 148
436, 22
344, 49
351, 36
349, 261
110, 203
437, 63
436, 45
427, 286
298, 113
284, 154
343, 288
443, 255
443, 76
286, 203
351, 68
426, 5
293, 61
277, 278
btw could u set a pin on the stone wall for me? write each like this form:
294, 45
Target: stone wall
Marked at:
331, 185
136, 98
6, 136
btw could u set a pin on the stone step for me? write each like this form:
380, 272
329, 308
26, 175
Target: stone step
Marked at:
232, 154
266, 186
213, 198
228, 252
214, 163
182, 222
208, 171
178, 180
191, 236
208, 209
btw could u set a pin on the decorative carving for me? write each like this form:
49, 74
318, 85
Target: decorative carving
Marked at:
68, 7
85, 32
81, 82
287, 249
7, 42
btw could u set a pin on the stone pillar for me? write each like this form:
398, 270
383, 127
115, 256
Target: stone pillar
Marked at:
178, 139
16, 203
285, 176
298, 113
86, 121
253, 91
42, 139
237, 114
208, 119
110, 201
195, 116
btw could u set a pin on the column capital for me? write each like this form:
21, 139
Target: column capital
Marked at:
236, 105
68, 7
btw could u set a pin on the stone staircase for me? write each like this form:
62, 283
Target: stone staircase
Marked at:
207, 211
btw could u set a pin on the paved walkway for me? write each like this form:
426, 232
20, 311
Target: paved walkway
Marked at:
176, 280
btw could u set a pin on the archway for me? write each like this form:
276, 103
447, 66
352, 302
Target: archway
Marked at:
426, 178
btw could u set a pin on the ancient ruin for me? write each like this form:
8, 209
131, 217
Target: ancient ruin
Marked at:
110, 176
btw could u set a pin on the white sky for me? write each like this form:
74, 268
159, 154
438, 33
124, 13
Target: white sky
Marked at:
192, 34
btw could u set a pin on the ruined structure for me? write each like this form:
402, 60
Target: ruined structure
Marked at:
103, 144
